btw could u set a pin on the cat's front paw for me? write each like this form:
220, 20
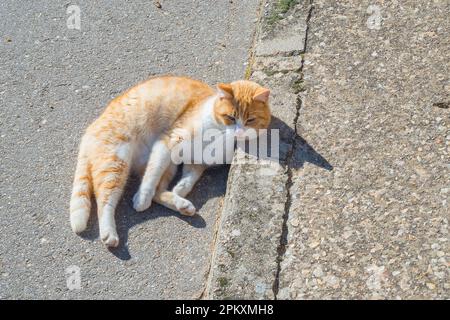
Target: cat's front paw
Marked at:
185, 207
142, 201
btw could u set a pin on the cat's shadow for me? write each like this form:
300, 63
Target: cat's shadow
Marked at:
302, 151
128, 218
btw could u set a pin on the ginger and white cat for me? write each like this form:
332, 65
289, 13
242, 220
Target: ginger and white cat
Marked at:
136, 133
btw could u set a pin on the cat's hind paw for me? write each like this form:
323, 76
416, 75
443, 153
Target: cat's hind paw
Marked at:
79, 220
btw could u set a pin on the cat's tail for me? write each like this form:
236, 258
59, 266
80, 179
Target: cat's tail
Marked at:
80, 202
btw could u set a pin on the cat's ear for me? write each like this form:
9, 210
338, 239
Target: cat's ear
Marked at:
225, 90
262, 95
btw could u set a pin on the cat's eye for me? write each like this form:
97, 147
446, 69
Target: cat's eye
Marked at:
231, 118
250, 120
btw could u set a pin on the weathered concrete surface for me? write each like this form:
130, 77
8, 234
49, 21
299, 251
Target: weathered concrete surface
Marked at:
53, 83
245, 259
282, 31
374, 106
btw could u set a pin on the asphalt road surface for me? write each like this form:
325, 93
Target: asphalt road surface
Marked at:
53, 82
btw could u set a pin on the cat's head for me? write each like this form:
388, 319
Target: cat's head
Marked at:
242, 105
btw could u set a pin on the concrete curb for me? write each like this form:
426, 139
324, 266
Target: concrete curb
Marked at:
251, 231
